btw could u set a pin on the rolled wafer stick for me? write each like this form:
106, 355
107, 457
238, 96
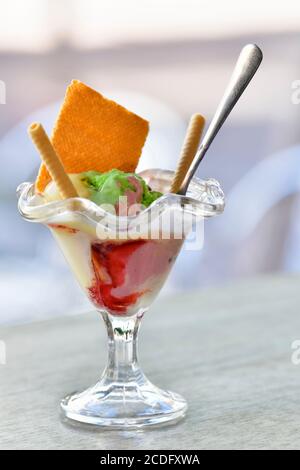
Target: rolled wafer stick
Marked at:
188, 151
51, 160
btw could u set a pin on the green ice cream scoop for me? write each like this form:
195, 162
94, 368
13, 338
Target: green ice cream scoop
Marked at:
107, 188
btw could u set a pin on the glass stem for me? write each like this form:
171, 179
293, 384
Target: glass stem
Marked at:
122, 366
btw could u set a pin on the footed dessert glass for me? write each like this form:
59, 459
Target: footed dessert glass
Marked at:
122, 262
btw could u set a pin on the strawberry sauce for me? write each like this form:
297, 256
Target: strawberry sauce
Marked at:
110, 261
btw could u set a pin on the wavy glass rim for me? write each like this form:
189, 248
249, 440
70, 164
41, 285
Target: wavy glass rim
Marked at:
205, 198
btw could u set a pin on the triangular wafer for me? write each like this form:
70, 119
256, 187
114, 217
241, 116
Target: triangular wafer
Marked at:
94, 133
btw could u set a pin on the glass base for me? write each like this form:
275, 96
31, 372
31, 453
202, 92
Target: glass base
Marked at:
124, 406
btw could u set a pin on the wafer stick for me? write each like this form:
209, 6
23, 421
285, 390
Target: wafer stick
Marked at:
51, 160
188, 151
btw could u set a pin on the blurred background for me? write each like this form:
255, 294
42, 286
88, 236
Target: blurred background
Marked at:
165, 60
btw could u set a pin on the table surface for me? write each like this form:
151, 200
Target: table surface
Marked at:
227, 350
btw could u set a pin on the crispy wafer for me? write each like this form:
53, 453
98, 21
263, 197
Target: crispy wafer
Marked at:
94, 133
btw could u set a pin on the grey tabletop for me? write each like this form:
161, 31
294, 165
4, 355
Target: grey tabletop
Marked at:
227, 350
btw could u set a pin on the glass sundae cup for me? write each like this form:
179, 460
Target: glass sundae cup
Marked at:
122, 262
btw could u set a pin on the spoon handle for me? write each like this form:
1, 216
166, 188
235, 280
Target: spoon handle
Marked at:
246, 66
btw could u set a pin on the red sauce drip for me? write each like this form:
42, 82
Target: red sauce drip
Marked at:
109, 263
63, 227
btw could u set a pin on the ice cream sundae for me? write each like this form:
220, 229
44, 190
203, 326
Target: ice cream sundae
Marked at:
118, 230
121, 231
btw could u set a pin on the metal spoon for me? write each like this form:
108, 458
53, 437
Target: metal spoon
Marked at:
246, 66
